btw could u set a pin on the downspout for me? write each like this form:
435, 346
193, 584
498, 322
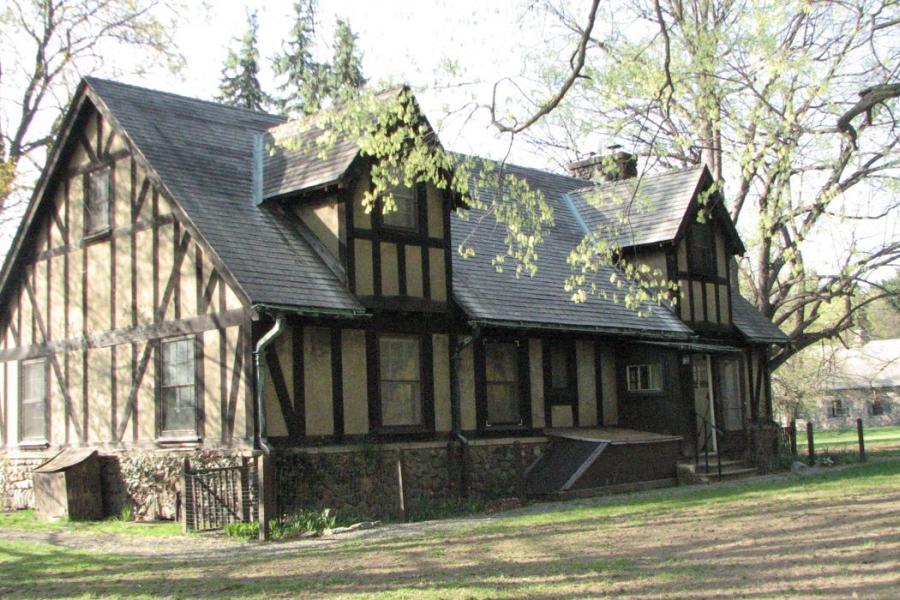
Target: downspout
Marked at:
258, 355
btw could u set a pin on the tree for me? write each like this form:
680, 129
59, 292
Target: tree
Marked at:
346, 75
239, 85
305, 80
790, 104
47, 45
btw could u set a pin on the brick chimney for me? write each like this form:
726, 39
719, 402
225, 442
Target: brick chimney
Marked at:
615, 166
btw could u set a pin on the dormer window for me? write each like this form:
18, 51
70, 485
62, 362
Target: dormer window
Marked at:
97, 201
405, 215
703, 250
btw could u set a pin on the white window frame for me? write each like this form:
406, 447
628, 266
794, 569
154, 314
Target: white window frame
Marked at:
161, 385
44, 400
104, 174
648, 377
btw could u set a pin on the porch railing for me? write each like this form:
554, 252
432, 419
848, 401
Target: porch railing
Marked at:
710, 433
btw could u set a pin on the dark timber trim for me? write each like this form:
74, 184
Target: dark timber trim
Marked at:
337, 383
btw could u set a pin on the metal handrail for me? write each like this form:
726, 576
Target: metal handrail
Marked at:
707, 426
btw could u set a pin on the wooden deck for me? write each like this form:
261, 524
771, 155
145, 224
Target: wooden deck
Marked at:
613, 435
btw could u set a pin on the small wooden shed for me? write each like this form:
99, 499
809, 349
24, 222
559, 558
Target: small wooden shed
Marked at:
68, 485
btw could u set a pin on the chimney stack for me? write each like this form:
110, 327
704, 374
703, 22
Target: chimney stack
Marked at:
615, 166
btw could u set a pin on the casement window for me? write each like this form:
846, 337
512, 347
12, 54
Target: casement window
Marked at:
33, 401
501, 375
405, 215
400, 381
97, 201
644, 378
876, 408
837, 410
560, 354
178, 389
703, 250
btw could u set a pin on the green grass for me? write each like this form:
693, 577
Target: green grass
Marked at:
874, 437
571, 549
29, 521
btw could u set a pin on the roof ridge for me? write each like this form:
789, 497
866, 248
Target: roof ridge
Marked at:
90, 79
640, 178
518, 166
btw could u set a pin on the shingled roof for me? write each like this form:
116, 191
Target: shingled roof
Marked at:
541, 301
203, 154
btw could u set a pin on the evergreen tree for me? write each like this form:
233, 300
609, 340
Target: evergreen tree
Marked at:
239, 85
305, 79
346, 76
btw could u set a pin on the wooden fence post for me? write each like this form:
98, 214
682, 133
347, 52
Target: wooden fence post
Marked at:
793, 435
401, 488
245, 490
186, 495
862, 442
809, 443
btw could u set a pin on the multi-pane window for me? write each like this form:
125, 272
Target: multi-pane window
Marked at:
405, 214
876, 408
178, 390
837, 409
400, 380
97, 200
644, 378
501, 380
33, 417
703, 250
559, 365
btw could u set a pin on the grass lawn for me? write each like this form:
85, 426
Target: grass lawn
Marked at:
829, 535
29, 521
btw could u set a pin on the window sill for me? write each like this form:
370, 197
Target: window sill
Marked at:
179, 439
38, 444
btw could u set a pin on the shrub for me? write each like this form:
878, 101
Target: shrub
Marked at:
243, 531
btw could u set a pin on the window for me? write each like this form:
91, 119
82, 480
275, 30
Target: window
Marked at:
33, 398
501, 382
837, 409
401, 381
96, 205
559, 364
703, 249
405, 215
730, 394
178, 391
644, 378
876, 408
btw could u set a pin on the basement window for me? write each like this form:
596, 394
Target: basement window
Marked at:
177, 389
33, 402
97, 202
501, 375
400, 380
644, 378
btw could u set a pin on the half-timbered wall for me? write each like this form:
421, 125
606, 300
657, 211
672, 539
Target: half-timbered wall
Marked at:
95, 308
393, 268
704, 301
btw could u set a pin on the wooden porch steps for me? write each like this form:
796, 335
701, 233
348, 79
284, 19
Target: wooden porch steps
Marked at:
691, 472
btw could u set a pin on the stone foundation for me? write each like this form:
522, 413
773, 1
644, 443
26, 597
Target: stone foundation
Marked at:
364, 479
766, 442
144, 481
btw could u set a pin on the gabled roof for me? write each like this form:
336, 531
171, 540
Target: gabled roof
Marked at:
286, 171
874, 365
541, 301
203, 155
648, 209
752, 324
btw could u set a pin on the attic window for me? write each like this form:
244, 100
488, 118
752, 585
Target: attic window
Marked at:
703, 250
97, 201
405, 215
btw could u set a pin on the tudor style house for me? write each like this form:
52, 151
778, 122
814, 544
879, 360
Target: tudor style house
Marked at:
172, 292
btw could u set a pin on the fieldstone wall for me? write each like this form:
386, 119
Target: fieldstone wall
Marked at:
145, 481
858, 404
364, 479
766, 444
